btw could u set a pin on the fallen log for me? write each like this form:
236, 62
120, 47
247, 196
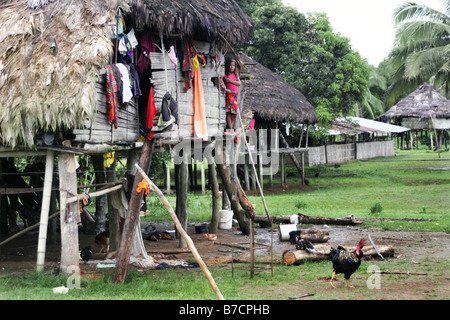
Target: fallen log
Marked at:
295, 257
398, 272
350, 220
303, 218
315, 237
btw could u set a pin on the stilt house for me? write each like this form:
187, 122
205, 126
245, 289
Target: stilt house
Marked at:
424, 110
87, 77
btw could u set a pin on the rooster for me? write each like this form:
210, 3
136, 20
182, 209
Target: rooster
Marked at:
304, 244
211, 237
102, 240
346, 262
85, 254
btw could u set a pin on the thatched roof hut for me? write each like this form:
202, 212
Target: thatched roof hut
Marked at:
416, 110
52, 53
223, 19
271, 98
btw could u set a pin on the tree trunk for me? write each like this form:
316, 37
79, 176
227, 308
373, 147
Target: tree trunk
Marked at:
293, 158
299, 256
225, 175
132, 217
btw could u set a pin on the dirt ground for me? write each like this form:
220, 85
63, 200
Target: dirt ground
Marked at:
20, 254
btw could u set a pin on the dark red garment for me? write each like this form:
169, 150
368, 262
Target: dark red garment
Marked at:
147, 45
151, 113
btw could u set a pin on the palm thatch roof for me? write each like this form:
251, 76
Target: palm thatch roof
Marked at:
422, 103
44, 89
223, 20
271, 98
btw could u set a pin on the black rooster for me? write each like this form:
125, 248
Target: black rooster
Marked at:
86, 253
303, 244
300, 244
346, 262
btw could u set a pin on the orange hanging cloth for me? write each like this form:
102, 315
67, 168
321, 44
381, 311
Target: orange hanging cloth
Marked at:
200, 128
143, 185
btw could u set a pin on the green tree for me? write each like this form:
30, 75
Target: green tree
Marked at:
308, 55
421, 50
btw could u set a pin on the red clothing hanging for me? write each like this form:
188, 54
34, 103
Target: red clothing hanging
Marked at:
151, 113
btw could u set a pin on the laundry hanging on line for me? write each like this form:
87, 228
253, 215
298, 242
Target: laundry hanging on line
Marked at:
147, 45
122, 85
200, 127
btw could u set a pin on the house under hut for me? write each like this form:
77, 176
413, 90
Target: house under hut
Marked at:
97, 77
426, 111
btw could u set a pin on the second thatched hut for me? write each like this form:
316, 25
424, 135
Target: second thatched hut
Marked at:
424, 110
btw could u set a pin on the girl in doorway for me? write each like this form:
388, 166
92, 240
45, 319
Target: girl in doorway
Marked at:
232, 83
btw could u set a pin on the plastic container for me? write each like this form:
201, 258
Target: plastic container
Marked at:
225, 219
284, 229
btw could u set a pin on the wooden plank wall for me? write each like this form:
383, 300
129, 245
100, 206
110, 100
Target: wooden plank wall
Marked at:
98, 129
167, 77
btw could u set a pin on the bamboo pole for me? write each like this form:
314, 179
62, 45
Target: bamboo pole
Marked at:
34, 226
94, 194
183, 233
48, 180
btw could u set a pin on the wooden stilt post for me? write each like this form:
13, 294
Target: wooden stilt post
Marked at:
215, 198
67, 165
182, 191
46, 197
246, 177
132, 217
202, 171
101, 202
168, 177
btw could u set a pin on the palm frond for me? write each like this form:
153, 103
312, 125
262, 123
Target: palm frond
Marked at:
426, 63
414, 11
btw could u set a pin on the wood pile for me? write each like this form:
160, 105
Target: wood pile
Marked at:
315, 235
295, 257
303, 218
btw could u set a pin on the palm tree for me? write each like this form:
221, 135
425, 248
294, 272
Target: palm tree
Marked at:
370, 106
421, 50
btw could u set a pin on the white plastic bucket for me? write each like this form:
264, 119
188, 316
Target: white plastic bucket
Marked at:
284, 229
225, 219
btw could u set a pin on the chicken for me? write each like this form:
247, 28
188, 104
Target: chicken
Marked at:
102, 240
300, 244
211, 237
303, 244
85, 254
155, 236
346, 262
